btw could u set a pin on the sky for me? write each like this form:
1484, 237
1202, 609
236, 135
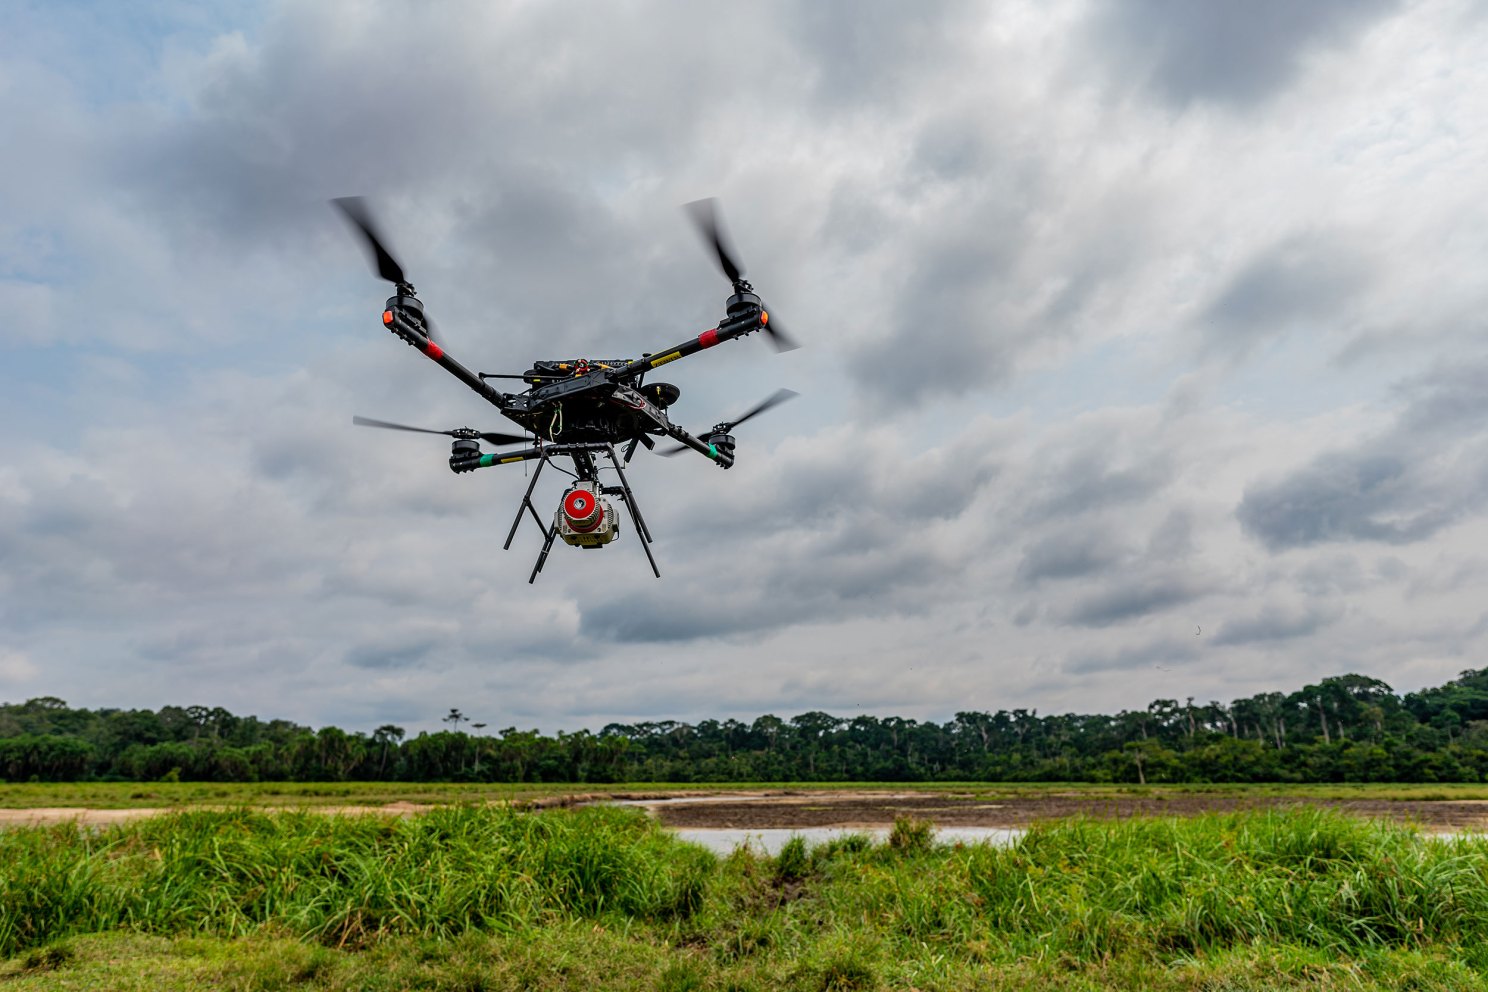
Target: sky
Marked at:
1144, 353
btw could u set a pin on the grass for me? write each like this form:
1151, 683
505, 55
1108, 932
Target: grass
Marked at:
341, 880
279, 795
480, 897
577, 958
137, 795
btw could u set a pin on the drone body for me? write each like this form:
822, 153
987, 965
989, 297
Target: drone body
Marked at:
579, 409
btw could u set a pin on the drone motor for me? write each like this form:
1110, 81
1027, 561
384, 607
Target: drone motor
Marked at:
724, 445
584, 519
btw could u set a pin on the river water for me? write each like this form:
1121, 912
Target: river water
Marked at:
723, 840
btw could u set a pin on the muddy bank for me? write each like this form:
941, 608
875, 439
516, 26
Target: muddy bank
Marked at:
785, 810
861, 809
42, 816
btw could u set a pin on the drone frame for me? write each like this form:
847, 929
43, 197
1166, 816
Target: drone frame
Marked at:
620, 384
615, 382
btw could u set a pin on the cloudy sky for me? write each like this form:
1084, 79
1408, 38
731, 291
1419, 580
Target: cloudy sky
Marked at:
1145, 352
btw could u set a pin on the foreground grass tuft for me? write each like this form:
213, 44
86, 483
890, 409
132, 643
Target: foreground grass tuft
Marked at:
48, 958
910, 835
487, 898
341, 880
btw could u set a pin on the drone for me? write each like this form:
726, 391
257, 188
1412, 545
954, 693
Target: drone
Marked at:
580, 409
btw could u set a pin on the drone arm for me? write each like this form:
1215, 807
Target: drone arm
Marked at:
723, 458
470, 463
745, 323
397, 320
630, 398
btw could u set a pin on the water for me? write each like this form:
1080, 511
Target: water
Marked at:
723, 840
770, 840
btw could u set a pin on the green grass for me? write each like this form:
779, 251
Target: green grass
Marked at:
338, 879
127, 795
584, 958
478, 897
137, 795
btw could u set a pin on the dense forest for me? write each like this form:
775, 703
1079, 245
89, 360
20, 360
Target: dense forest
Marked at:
1349, 728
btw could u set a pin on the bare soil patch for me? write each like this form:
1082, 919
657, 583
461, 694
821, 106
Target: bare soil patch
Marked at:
866, 809
43, 816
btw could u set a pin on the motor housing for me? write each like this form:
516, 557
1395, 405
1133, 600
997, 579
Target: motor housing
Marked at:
724, 445
585, 519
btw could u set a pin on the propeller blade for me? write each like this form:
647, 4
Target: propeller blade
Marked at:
782, 341
491, 437
466, 433
704, 214
355, 210
369, 422
773, 400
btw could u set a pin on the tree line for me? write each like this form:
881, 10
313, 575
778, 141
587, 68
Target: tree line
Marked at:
1348, 728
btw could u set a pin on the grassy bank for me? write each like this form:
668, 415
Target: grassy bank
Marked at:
486, 898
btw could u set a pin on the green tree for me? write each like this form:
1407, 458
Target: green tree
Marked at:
385, 738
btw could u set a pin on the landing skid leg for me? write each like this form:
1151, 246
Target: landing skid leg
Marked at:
628, 498
635, 511
646, 546
585, 469
543, 555
527, 505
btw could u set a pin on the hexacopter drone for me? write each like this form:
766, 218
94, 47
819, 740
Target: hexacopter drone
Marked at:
580, 408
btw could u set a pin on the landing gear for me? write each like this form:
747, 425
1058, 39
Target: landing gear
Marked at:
585, 519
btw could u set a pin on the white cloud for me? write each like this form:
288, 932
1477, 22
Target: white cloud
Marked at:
1091, 330
16, 670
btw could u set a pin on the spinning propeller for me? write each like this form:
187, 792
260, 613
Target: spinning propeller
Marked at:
354, 208
773, 400
704, 214
461, 433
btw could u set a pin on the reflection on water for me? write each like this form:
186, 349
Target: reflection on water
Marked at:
722, 840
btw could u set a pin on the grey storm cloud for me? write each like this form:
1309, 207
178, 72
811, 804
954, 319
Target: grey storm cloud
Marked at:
1231, 53
1104, 575
1371, 495
1446, 402
409, 654
834, 574
1331, 575
1304, 284
1130, 598
874, 49
831, 533
1163, 652
1423, 474
947, 337
1276, 623
1105, 466
1069, 554
863, 481
1173, 539
637, 620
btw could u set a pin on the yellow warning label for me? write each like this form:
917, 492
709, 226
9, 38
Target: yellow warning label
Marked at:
656, 362
519, 458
